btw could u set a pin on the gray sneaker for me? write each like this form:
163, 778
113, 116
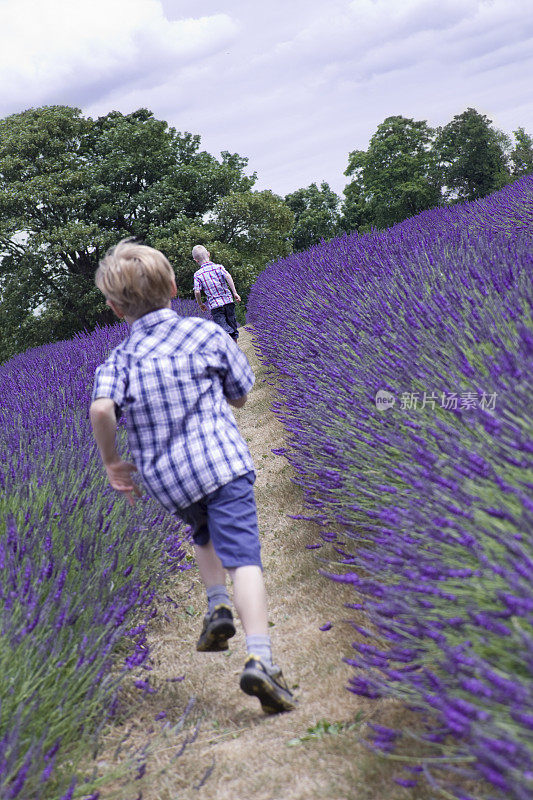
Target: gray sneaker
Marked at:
268, 685
218, 627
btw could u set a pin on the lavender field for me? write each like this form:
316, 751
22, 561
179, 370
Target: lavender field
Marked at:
402, 361
423, 490
78, 577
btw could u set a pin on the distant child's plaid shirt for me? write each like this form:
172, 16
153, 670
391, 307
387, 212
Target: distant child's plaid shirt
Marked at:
210, 278
171, 376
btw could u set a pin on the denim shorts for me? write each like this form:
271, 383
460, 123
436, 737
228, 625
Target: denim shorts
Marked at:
228, 517
225, 317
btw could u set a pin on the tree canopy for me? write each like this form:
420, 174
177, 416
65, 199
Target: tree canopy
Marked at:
521, 156
70, 187
471, 157
394, 178
409, 167
316, 215
243, 231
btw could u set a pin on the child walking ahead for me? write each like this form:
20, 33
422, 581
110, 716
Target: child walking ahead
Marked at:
219, 289
175, 376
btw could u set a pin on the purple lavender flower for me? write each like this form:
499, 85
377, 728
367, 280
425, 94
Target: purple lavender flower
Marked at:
430, 499
76, 572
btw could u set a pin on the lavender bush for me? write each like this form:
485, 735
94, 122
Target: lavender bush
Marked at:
426, 500
78, 574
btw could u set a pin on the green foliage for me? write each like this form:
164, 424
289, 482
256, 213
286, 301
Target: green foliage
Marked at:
325, 728
239, 221
394, 178
356, 212
71, 187
471, 157
522, 154
250, 228
316, 215
409, 167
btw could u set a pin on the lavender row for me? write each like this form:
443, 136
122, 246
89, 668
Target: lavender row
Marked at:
427, 496
78, 575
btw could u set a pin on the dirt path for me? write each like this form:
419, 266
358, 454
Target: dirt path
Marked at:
247, 753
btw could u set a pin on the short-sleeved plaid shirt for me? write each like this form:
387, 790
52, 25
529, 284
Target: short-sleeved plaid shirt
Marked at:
172, 376
210, 278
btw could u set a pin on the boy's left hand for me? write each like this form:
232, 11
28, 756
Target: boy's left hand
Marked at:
119, 476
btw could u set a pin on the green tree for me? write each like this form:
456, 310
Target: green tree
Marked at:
356, 213
471, 157
316, 215
521, 156
256, 223
70, 187
392, 180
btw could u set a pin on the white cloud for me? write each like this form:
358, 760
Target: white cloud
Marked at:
366, 37
293, 85
350, 65
55, 48
351, 30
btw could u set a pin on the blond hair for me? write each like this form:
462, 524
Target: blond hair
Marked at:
135, 277
199, 253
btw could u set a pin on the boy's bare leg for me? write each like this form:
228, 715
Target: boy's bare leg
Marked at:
250, 600
249, 593
209, 564
260, 677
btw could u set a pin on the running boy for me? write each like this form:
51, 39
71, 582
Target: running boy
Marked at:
219, 290
175, 377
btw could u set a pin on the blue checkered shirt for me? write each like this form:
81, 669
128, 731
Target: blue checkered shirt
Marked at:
172, 376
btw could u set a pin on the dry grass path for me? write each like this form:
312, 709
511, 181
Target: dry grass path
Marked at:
248, 753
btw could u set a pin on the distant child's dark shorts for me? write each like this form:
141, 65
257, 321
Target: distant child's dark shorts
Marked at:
228, 516
225, 317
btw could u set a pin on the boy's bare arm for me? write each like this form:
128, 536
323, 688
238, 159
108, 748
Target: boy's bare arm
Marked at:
198, 296
229, 281
104, 425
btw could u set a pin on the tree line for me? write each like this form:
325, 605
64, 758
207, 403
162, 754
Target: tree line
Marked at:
70, 187
408, 168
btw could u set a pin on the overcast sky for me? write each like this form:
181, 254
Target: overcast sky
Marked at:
294, 85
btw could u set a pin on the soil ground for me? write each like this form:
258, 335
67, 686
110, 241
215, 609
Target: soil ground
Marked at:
239, 752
